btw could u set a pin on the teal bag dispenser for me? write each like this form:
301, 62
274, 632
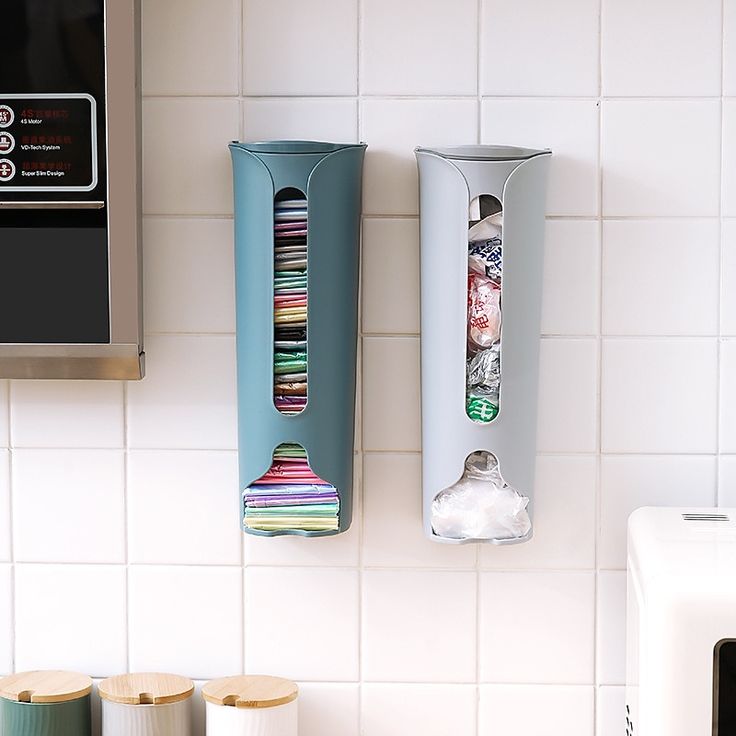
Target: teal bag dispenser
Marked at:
329, 177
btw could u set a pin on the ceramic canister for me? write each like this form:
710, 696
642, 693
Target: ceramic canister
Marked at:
45, 703
146, 704
251, 706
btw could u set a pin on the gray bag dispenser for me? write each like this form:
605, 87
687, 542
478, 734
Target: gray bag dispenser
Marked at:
70, 296
505, 181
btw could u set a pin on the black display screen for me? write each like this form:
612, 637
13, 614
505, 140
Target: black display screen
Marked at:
54, 263
52, 97
724, 689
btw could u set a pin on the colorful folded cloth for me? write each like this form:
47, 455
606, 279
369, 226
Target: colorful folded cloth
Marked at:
290, 497
290, 306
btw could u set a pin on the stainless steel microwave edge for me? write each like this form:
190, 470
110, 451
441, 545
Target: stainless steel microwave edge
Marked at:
58, 244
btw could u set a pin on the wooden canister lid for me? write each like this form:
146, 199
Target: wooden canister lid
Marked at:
146, 688
52, 686
250, 691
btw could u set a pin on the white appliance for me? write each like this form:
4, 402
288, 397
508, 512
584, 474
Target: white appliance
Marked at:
681, 626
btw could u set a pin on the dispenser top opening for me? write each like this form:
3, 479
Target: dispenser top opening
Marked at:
304, 147
485, 153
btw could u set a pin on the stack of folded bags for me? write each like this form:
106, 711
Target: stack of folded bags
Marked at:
291, 497
290, 306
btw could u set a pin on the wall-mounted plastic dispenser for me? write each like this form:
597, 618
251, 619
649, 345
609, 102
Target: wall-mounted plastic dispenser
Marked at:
482, 235
70, 292
49, 703
297, 244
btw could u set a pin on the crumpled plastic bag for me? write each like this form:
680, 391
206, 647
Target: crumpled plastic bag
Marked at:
487, 229
481, 505
484, 311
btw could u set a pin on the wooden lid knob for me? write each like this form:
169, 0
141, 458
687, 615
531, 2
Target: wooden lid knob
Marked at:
146, 688
250, 691
52, 686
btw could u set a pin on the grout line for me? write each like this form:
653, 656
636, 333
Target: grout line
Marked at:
358, 566
719, 344
243, 562
359, 386
203, 97
599, 392
126, 524
11, 531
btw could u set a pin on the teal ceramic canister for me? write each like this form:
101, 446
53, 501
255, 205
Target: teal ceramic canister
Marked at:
45, 703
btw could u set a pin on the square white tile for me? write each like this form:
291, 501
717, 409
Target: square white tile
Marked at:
187, 400
393, 535
186, 619
727, 481
301, 49
534, 710
729, 158
563, 516
329, 709
531, 47
6, 620
627, 483
67, 414
648, 168
394, 128
175, 40
728, 396
729, 49
611, 711
519, 645
430, 710
324, 644
390, 276
5, 519
570, 129
418, 626
189, 172
190, 280
568, 396
301, 119
682, 58
659, 396
70, 617
728, 278
570, 300
69, 506
611, 629
660, 277
419, 47
391, 403
183, 507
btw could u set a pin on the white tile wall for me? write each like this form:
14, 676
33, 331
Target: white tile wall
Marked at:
432, 710
407, 634
186, 619
531, 710
118, 502
519, 645
683, 60
68, 505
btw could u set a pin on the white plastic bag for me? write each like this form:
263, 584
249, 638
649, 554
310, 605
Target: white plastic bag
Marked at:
487, 229
481, 505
